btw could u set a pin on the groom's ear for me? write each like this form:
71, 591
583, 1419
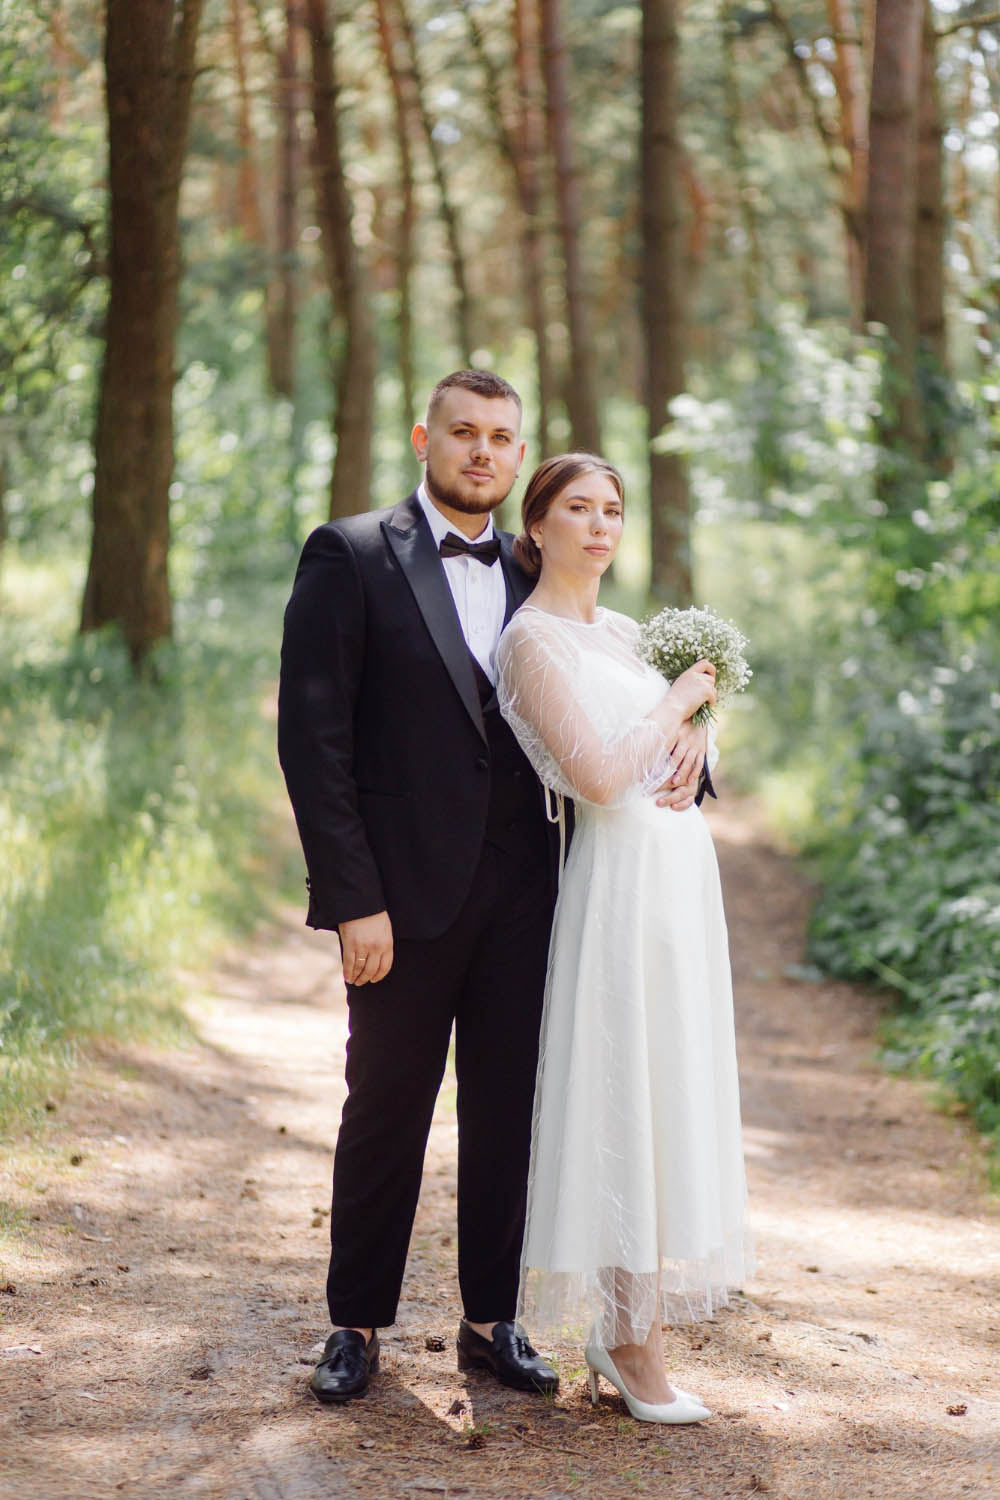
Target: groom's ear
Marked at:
418, 437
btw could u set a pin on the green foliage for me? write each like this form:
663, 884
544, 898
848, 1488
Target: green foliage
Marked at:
51, 272
874, 644
132, 816
912, 875
782, 431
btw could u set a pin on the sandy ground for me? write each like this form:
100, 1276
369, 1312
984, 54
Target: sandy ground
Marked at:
161, 1290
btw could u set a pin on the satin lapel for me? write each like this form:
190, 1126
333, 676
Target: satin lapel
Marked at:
517, 582
411, 541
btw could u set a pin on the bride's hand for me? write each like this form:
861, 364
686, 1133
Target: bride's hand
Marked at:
693, 688
684, 697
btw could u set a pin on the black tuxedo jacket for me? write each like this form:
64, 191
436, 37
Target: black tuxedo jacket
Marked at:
380, 730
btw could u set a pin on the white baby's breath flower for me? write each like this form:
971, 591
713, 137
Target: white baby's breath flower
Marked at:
674, 639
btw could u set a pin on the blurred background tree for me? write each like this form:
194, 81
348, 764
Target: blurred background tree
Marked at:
149, 59
750, 249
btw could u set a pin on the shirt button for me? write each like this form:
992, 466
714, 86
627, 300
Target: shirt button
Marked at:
482, 764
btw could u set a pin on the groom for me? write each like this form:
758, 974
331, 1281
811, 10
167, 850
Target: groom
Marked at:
428, 850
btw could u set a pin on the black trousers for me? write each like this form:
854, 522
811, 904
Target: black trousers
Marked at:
486, 974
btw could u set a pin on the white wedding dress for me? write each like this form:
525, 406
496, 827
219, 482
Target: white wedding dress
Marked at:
636, 1191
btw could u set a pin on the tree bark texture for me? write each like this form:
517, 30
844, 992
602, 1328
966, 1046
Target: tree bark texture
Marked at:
149, 65
581, 387
62, 62
928, 286
850, 80
892, 219
529, 141
929, 250
350, 482
750, 258
283, 285
663, 299
391, 41
449, 216
247, 186
521, 144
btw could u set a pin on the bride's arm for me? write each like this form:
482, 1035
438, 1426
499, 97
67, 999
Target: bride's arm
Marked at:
688, 754
539, 697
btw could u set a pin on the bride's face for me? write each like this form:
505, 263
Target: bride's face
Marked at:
581, 529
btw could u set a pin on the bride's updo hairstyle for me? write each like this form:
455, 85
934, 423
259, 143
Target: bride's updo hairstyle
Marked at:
548, 481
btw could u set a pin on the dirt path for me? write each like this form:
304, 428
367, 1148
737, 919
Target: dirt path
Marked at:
162, 1297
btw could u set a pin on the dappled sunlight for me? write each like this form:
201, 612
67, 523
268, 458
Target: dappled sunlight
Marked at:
761, 1144
868, 1237
747, 252
175, 1274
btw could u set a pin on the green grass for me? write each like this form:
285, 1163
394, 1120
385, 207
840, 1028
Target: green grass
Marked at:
137, 819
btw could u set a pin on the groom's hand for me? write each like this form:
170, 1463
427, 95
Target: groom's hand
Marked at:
688, 755
366, 946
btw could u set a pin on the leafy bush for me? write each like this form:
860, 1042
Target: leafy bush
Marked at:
874, 707
912, 882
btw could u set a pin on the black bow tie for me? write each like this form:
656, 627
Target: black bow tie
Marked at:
454, 545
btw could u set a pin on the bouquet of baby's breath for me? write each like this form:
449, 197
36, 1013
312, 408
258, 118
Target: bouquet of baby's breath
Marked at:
675, 639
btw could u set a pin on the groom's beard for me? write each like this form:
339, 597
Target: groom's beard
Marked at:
465, 504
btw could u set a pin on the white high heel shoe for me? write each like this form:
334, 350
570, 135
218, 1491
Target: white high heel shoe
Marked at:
685, 1408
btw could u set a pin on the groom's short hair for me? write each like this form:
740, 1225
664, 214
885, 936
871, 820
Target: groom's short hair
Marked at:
480, 382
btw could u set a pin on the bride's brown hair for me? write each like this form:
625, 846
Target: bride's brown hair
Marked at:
548, 481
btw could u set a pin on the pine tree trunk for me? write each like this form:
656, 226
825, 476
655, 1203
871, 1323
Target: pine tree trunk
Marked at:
59, 47
663, 299
149, 62
581, 389
350, 483
929, 253
929, 257
283, 286
529, 146
449, 216
247, 187
391, 41
522, 145
849, 76
892, 219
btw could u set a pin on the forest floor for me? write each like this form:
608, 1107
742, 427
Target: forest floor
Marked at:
162, 1270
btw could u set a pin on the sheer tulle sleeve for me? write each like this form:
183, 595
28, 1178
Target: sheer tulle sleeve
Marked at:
579, 742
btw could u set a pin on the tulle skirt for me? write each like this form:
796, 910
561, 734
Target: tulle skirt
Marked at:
636, 1193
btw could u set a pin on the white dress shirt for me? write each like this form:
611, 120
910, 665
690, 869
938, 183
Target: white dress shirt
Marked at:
478, 590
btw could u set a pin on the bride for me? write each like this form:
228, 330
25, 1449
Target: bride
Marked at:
636, 1190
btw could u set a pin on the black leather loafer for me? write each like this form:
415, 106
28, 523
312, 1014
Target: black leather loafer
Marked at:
508, 1356
347, 1363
